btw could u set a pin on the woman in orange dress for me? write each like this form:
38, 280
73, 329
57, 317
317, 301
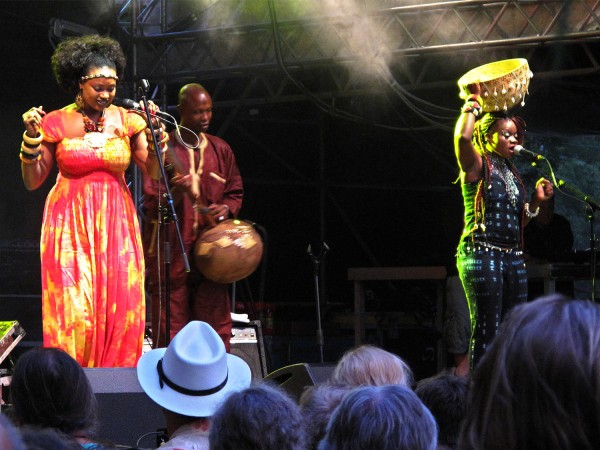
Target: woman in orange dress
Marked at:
92, 260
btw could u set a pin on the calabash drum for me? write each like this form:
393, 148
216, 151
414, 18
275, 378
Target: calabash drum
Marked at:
504, 84
228, 252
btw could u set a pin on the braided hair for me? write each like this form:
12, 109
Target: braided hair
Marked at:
480, 141
76, 55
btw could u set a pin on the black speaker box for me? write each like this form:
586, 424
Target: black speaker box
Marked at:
297, 377
247, 343
128, 417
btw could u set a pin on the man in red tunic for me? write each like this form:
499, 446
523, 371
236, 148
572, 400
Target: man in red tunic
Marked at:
202, 173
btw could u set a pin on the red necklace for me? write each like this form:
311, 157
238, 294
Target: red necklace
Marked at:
90, 126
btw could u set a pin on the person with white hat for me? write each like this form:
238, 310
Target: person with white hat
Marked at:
189, 379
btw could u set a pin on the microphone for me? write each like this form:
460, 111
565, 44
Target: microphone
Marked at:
532, 156
127, 103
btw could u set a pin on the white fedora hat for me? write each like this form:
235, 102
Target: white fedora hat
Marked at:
194, 373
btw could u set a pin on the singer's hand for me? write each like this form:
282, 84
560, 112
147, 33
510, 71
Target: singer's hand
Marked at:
544, 190
32, 120
474, 88
153, 109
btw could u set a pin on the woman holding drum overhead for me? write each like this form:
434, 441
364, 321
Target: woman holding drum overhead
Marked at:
489, 256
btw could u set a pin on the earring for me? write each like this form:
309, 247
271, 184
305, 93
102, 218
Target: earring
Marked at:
79, 100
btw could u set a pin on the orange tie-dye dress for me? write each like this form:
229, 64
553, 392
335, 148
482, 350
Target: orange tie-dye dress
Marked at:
91, 252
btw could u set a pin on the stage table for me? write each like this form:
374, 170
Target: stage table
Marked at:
360, 275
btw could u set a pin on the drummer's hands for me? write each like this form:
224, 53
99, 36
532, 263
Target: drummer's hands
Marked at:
32, 120
188, 183
219, 212
544, 190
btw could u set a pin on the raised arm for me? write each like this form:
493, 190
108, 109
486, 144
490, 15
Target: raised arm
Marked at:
37, 155
468, 158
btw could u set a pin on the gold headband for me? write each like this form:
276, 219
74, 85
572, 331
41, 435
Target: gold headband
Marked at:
98, 75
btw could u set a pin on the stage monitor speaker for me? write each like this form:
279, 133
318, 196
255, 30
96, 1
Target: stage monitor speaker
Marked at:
296, 378
125, 412
247, 343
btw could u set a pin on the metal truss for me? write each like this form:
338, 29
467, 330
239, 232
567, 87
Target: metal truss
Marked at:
261, 53
408, 41
341, 60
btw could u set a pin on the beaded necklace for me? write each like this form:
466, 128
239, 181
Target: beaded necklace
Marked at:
90, 126
500, 168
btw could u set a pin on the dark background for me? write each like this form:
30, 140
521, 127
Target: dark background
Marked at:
377, 196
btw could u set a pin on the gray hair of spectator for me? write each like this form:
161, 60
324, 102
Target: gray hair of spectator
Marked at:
317, 404
381, 417
261, 417
368, 365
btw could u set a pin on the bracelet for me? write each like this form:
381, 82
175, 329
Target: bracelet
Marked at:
23, 143
472, 107
30, 150
528, 212
152, 151
28, 155
33, 141
29, 160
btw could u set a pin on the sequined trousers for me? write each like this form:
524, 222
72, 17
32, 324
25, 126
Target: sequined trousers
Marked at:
494, 280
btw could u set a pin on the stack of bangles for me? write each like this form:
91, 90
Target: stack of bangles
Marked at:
161, 137
473, 105
31, 148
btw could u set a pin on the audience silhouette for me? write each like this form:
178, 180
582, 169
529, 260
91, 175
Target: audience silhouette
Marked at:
189, 379
368, 365
537, 385
445, 395
317, 403
381, 417
261, 417
49, 389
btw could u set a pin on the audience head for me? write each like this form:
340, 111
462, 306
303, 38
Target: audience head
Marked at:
445, 395
538, 385
381, 417
49, 389
317, 403
262, 417
10, 438
49, 439
368, 365
192, 376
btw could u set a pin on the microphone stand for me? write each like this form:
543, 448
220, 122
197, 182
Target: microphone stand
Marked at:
591, 208
145, 85
317, 259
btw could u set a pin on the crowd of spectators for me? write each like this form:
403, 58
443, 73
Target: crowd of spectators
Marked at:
536, 387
